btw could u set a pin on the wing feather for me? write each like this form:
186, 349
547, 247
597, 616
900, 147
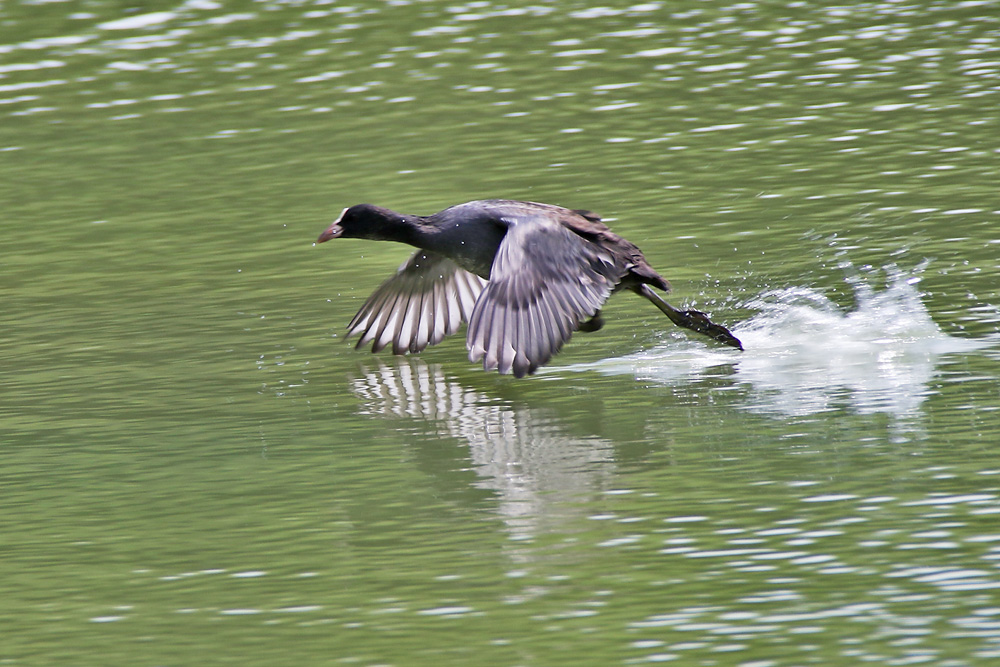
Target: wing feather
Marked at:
427, 299
544, 282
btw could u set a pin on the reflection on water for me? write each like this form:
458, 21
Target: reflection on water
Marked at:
796, 553
805, 354
538, 471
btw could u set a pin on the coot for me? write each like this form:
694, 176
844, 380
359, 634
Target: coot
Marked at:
524, 275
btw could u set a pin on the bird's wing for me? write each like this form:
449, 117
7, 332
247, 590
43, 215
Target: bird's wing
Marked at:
427, 299
544, 282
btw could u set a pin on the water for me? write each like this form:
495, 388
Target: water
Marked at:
805, 354
197, 468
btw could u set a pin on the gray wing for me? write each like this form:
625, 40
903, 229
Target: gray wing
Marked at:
544, 282
427, 299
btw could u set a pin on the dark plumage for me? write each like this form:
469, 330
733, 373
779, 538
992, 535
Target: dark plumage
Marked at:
524, 275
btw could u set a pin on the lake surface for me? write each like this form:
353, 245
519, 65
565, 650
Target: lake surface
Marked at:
198, 469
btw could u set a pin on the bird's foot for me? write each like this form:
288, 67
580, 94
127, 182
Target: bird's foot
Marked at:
698, 321
593, 324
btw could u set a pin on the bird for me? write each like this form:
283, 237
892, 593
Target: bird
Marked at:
523, 275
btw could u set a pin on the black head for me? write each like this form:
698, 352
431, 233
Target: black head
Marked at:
363, 221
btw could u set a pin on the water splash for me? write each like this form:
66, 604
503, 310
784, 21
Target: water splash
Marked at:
806, 354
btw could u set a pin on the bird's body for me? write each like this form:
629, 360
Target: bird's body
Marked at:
524, 275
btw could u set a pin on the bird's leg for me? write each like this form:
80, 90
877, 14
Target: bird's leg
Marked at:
691, 319
593, 324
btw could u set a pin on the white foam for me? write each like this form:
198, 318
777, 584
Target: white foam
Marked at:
805, 354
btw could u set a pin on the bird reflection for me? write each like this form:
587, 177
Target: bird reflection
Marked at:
522, 454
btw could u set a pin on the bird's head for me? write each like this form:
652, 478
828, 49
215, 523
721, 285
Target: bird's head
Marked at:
363, 221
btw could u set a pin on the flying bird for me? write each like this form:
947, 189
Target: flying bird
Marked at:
523, 275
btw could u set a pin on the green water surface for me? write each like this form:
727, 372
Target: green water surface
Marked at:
195, 468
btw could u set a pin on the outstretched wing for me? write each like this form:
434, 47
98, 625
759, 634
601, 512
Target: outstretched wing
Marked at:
427, 299
544, 282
